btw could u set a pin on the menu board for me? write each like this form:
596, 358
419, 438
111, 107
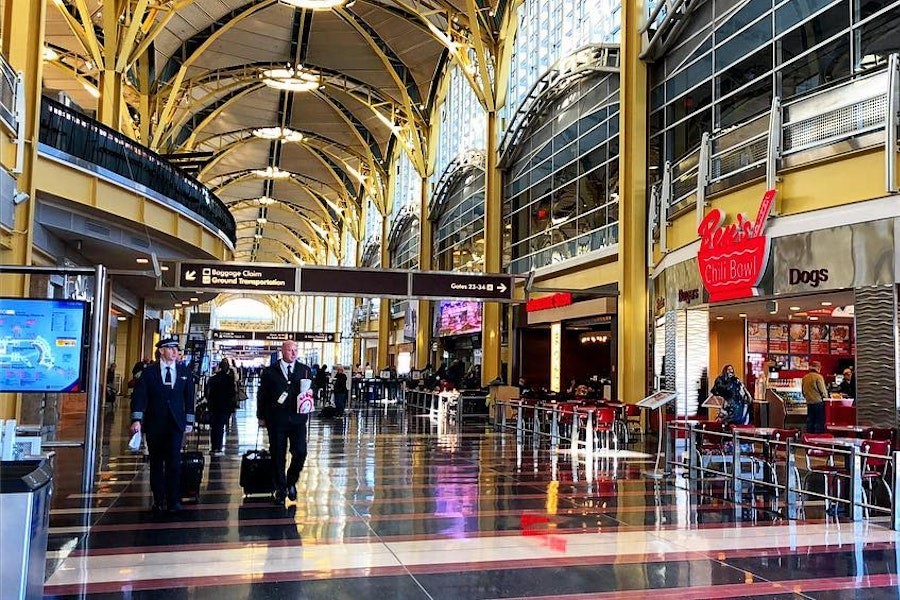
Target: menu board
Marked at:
799, 363
778, 338
757, 337
799, 343
818, 339
840, 339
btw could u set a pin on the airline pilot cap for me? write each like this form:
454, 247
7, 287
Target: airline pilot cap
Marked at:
169, 342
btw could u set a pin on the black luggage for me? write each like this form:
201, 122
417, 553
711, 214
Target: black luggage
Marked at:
257, 472
192, 463
328, 412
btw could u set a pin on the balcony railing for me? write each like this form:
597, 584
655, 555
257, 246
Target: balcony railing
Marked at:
84, 139
859, 114
8, 95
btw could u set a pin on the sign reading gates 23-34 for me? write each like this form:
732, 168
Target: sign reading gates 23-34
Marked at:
732, 258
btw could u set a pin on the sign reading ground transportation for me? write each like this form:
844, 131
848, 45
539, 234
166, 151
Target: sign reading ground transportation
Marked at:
462, 285
276, 336
359, 282
237, 276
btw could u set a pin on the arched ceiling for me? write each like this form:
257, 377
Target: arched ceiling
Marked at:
191, 82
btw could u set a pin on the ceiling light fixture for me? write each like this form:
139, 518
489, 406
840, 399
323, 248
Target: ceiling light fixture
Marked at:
49, 53
814, 318
285, 134
122, 318
826, 303
265, 201
261, 220
291, 79
742, 315
163, 268
315, 4
142, 261
795, 308
271, 173
195, 299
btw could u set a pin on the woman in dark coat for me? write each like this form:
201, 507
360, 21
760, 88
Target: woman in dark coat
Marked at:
729, 388
221, 395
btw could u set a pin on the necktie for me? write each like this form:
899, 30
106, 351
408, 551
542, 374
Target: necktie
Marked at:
289, 372
168, 379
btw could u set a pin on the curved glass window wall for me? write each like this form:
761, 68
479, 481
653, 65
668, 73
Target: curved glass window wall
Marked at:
459, 226
561, 191
462, 125
733, 57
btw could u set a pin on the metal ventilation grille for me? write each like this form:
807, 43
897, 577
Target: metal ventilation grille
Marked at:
839, 123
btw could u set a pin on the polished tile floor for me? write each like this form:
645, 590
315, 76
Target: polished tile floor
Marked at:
391, 507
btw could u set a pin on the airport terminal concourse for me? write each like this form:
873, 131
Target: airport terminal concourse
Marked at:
464, 299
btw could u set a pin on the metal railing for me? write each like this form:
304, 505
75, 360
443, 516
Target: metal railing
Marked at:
78, 136
801, 131
782, 456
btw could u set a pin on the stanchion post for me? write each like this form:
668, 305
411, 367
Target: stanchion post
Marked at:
503, 407
895, 496
554, 428
535, 427
691, 451
856, 491
589, 435
735, 466
520, 424
791, 485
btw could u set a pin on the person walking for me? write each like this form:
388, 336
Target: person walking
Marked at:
221, 397
340, 390
162, 407
277, 409
814, 392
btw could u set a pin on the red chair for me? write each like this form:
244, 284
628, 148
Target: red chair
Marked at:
875, 467
828, 471
775, 453
710, 444
633, 419
605, 424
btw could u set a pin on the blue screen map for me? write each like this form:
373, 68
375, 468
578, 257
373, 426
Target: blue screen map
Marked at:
41, 343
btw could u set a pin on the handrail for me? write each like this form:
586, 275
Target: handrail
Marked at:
83, 138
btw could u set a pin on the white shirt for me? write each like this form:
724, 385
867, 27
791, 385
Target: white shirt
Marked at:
162, 371
285, 366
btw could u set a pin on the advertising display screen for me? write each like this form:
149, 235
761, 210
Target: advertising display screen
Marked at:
41, 345
459, 317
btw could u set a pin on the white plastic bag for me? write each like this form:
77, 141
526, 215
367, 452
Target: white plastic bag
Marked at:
135, 443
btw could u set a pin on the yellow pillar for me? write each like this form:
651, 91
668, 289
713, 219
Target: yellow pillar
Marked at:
384, 311
22, 46
423, 327
632, 315
109, 105
135, 350
490, 322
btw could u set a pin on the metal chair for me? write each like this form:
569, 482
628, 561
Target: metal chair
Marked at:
828, 470
605, 417
875, 467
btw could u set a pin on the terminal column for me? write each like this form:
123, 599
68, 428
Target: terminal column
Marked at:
23, 43
632, 309
423, 326
490, 324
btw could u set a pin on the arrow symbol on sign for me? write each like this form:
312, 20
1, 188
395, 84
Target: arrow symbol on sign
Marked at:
190, 275
501, 287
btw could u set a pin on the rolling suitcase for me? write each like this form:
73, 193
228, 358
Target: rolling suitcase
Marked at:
192, 463
257, 472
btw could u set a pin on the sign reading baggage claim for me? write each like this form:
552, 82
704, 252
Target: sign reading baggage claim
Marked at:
236, 276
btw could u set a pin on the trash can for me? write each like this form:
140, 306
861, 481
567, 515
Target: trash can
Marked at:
25, 488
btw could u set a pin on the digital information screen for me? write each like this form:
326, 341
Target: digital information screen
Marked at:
459, 317
41, 344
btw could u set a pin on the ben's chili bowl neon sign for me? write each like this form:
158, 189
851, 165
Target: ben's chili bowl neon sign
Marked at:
732, 257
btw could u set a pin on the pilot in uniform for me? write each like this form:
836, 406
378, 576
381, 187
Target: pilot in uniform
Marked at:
162, 406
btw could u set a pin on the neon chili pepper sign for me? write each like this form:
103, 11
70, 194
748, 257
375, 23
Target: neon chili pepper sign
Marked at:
732, 257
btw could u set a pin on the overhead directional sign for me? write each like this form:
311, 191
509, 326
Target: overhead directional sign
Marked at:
357, 282
276, 336
461, 285
237, 276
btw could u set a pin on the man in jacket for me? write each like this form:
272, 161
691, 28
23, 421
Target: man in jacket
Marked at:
814, 392
162, 407
277, 410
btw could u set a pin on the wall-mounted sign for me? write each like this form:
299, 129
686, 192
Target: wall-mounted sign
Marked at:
277, 336
732, 258
461, 285
688, 296
237, 276
848, 256
557, 300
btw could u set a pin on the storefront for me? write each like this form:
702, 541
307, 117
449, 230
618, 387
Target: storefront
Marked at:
564, 338
772, 305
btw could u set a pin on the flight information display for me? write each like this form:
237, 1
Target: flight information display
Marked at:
41, 345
